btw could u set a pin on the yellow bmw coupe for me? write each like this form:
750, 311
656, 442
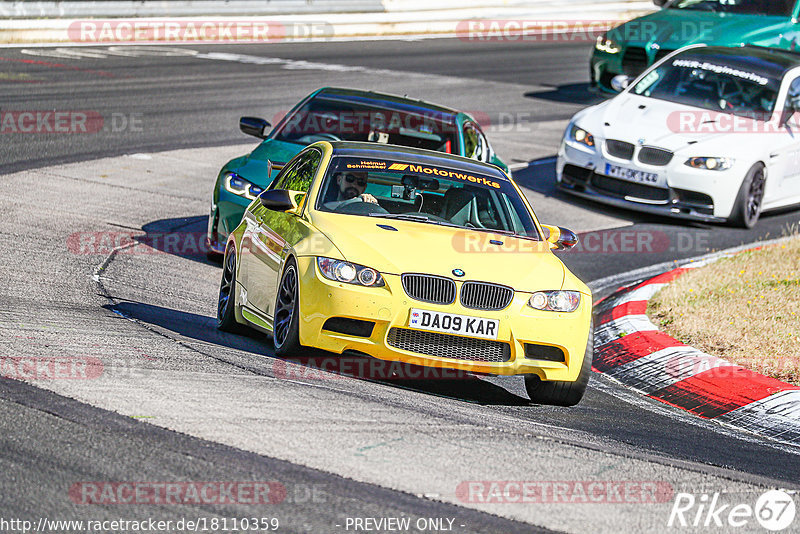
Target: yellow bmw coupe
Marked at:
412, 256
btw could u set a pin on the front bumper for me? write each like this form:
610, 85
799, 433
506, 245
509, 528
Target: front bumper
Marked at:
602, 69
686, 193
389, 308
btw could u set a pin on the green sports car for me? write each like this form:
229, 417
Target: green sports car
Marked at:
630, 48
333, 114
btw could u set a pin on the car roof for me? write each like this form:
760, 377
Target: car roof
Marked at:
414, 156
771, 62
385, 101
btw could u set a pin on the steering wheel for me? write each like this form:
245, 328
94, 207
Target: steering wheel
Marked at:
360, 208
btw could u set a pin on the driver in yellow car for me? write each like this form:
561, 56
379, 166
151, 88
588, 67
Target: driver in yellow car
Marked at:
350, 189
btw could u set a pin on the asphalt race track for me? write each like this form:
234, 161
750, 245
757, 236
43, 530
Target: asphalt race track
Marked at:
178, 401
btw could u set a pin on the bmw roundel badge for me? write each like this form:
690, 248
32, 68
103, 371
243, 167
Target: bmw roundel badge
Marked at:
458, 272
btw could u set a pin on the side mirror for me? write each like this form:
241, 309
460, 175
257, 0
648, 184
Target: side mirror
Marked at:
620, 82
254, 126
560, 238
792, 106
281, 199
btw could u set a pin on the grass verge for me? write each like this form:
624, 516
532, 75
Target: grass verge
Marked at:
745, 309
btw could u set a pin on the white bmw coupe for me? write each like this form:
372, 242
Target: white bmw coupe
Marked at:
708, 133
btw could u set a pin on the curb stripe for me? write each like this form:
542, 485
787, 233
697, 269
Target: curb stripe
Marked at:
631, 349
717, 391
664, 368
638, 307
776, 416
622, 327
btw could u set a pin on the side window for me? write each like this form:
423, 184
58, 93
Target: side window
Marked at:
300, 174
475, 144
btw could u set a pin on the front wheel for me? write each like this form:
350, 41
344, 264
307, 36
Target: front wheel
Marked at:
562, 393
286, 325
747, 208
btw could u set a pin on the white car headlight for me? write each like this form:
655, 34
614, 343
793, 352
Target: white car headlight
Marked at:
710, 164
557, 301
349, 273
604, 44
239, 186
581, 136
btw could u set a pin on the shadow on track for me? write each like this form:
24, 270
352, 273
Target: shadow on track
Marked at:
573, 93
320, 365
181, 236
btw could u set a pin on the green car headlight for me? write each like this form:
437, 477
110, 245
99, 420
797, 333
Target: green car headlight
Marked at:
581, 136
557, 301
604, 44
239, 186
349, 273
710, 164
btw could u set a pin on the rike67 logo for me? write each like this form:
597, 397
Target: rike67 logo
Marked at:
774, 511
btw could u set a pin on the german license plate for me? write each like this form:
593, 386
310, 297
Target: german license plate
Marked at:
450, 323
632, 175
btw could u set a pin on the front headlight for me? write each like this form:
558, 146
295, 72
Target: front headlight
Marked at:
581, 136
604, 44
557, 301
710, 164
239, 186
349, 273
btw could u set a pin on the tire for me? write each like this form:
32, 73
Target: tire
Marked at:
562, 393
226, 302
747, 207
286, 323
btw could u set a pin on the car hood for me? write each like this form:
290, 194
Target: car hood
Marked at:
652, 122
254, 166
674, 28
412, 247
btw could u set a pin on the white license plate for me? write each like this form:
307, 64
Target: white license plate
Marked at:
450, 323
632, 175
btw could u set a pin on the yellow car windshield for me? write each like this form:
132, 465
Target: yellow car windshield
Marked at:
424, 193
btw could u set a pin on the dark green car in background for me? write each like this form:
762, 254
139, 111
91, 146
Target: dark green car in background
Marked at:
632, 47
334, 114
